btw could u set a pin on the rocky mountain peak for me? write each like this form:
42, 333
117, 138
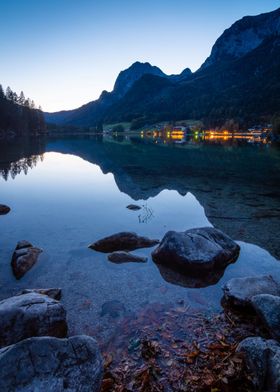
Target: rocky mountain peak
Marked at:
129, 76
244, 36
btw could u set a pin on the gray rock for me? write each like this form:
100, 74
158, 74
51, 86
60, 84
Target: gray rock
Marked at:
51, 364
24, 257
197, 250
52, 293
263, 360
23, 244
122, 241
126, 257
239, 291
4, 209
28, 315
268, 308
133, 207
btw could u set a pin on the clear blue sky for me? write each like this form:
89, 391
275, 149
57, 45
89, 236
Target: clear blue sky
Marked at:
63, 53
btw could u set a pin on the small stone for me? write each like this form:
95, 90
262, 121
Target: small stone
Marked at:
24, 257
122, 241
4, 209
126, 257
239, 291
133, 207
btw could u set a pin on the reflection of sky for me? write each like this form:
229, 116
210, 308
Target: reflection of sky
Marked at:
63, 53
66, 203
74, 189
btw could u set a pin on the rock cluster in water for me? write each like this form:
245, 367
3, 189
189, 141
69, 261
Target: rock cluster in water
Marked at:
35, 353
126, 257
261, 294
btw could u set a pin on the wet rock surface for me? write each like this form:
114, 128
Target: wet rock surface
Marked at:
263, 360
4, 209
133, 207
268, 308
52, 292
24, 257
126, 257
239, 291
122, 241
30, 315
196, 251
51, 364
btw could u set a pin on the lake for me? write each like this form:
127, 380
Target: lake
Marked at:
66, 193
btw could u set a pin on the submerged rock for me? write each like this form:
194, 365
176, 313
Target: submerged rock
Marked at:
24, 257
113, 309
51, 364
263, 360
196, 251
122, 241
52, 293
133, 207
126, 257
268, 308
4, 209
28, 315
239, 291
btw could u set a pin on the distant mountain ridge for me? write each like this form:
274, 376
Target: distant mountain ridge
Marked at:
91, 113
240, 80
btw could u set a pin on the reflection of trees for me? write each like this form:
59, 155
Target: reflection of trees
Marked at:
24, 164
20, 156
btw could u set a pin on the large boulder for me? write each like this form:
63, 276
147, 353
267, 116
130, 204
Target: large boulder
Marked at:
28, 315
197, 250
263, 360
268, 308
126, 257
4, 209
239, 291
51, 364
24, 257
122, 241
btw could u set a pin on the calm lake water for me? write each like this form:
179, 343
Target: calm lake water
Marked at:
67, 193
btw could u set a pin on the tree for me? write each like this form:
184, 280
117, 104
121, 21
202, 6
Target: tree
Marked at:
9, 94
21, 99
2, 95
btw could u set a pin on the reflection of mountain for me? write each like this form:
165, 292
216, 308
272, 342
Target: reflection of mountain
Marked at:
238, 187
19, 156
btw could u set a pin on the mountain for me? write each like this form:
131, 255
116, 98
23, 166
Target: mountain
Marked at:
93, 112
240, 80
244, 36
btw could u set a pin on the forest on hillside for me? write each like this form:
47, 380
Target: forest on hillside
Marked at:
19, 116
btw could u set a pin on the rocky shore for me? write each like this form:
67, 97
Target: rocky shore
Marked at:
242, 342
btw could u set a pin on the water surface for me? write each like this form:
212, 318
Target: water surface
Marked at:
67, 193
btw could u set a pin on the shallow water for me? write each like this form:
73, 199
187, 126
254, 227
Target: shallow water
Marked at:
67, 193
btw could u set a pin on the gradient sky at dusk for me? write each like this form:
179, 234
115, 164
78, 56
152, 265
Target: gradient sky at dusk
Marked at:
63, 53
